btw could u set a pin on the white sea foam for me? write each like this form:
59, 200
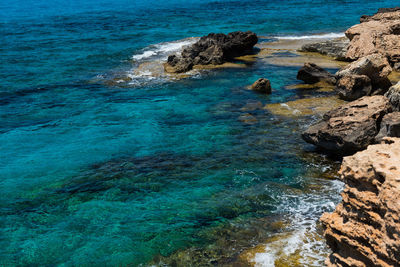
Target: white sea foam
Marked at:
163, 49
331, 35
301, 237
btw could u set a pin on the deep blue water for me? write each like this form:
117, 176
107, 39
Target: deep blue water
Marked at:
97, 174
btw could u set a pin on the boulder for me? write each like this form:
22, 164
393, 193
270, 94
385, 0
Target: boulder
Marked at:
262, 85
335, 48
379, 33
350, 127
364, 229
390, 126
352, 87
212, 49
376, 67
310, 73
394, 96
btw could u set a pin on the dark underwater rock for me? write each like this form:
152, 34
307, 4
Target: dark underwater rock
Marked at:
214, 49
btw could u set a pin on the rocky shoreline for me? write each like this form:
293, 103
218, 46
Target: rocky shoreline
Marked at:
364, 230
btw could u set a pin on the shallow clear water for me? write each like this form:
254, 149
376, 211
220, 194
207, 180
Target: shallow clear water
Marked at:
98, 174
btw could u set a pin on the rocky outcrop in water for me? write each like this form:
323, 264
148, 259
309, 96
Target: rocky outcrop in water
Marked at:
262, 85
311, 73
336, 48
394, 96
213, 49
379, 33
366, 76
351, 127
364, 230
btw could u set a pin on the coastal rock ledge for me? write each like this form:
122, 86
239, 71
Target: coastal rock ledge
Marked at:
364, 230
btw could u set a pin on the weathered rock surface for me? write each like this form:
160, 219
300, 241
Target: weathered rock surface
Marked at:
352, 87
262, 85
394, 96
215, 49
349, 128
379, 33
376, 67
364, 230
311, 73
336, 48
389, 127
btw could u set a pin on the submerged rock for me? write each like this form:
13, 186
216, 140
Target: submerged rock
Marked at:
214, 49
353, 82
310, 73
262, 85
349, 128
379, 33
364, 230
336, 48
394, 96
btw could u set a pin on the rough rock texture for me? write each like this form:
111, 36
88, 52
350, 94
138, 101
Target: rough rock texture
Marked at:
390, 126
352, 87
215, 49
379, 33
349, 128
310, 73
394, 96
336, 48
262, 85
364, 230
376, 67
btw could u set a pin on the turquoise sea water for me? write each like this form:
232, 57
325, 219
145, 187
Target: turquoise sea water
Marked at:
93, 173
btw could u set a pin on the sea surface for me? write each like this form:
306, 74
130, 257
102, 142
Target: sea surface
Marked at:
104, 163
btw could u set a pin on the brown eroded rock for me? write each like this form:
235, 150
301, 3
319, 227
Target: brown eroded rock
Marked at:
262, 85
376, 67
311, 73
379, 33
352, 87
349, 128
364, 230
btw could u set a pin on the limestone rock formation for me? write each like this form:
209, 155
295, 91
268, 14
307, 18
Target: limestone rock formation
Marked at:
394, 96
352, 87
336, 48
310, 73
212, 49
349, 128
364, 230
262, 85
375, 67
379, 33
